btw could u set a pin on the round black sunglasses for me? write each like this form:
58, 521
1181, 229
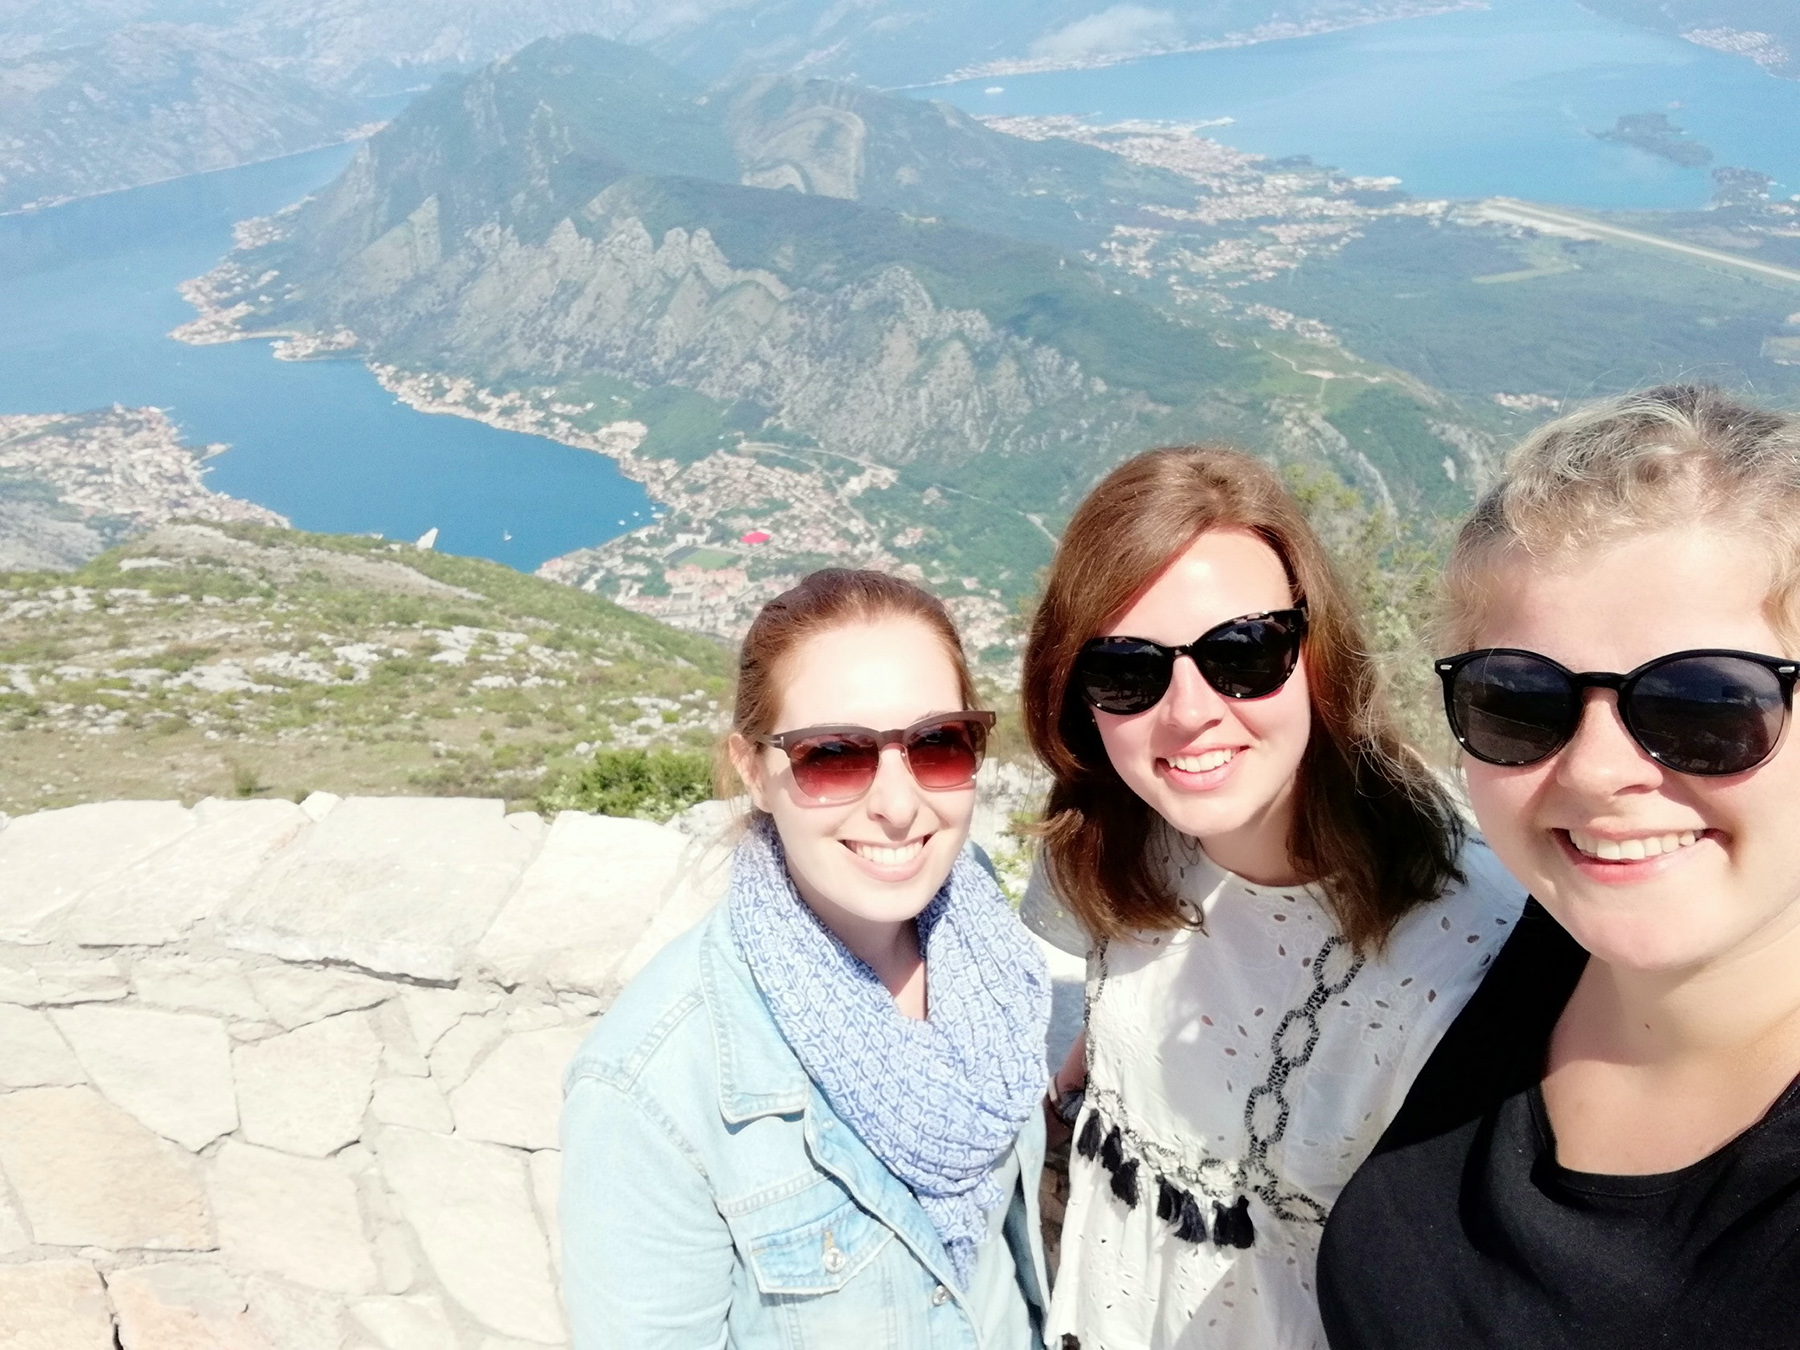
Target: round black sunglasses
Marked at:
1708, 712
1249, 657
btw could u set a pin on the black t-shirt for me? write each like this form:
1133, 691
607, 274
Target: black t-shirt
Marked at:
1462, 1229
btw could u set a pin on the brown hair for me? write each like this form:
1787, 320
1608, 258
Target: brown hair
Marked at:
1671, 456
1372, 826
831, 598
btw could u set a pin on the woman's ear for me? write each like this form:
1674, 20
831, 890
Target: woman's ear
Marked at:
747, 761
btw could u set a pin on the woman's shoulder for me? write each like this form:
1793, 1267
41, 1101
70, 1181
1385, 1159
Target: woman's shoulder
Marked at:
658, 1022
1461, 931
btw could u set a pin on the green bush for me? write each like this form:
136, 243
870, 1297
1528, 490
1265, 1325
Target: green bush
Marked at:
649, 784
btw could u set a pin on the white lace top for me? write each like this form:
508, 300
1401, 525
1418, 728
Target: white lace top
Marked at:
1237, 1075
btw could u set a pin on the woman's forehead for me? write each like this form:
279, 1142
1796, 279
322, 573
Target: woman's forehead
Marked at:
881, 673
1221, 575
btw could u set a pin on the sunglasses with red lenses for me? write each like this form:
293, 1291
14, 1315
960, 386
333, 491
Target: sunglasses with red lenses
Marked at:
839, 763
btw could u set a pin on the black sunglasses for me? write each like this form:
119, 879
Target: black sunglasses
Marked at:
1250, 657
1707, 712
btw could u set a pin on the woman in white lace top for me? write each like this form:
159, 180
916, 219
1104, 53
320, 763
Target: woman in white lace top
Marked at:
1279, 908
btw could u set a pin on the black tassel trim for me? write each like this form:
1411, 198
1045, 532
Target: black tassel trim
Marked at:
1232, 1227
1089, 1142
1190, 1223
1168, 1201
1071, 1341
1125, 1182
1112, 1154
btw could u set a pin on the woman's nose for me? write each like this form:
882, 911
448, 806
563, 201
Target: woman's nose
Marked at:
1602, 759
893, 796
1190, 701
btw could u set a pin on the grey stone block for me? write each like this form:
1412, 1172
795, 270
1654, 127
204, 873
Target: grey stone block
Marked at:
49, 858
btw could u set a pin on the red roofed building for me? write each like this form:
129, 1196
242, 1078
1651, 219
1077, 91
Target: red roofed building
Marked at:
754, 537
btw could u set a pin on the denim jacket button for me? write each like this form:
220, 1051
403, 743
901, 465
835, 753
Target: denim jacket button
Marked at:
834, 1260
939, 1296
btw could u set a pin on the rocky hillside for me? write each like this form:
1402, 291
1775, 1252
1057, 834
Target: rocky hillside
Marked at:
147, 103
921, 336
245, 661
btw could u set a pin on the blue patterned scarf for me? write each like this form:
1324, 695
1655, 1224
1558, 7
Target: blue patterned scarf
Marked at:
941, 1101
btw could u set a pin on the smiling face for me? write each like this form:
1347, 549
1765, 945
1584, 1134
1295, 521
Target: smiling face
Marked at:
880, 858
1647, 868
1219, 769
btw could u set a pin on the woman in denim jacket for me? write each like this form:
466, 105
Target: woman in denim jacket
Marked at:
811, 1120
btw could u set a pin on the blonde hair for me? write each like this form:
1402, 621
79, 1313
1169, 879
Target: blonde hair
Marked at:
1668, 457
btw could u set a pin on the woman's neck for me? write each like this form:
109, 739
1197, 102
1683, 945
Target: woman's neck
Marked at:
1257, 850
1651, 1071
889, 948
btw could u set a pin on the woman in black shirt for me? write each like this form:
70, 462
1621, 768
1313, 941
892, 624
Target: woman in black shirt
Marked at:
1604, 1150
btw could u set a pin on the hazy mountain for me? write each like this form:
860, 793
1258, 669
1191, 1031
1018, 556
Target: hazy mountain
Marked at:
148, 102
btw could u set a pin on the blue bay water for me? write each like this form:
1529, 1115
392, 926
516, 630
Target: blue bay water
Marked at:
88, 296
1475, 103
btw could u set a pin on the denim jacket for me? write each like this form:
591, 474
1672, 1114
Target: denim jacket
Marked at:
711, 1197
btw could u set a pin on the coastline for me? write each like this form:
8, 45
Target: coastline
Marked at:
1262, 33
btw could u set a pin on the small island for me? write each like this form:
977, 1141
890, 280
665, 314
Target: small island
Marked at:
1655, 134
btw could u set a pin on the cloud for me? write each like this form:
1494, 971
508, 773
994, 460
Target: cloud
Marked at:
1122, 30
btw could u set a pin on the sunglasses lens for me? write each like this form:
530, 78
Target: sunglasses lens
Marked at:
1511, 708
1707, 714
1122, 677
836, 767
946, 755
1252, 658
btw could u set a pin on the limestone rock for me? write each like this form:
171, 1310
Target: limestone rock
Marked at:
295, 995
182, 1306
53, 1305
515, 1095
293, 1217
32, 1052
51, 857
318, 805
87, 1174
191, 984
13, 1235
306, 1091
592, 887
418, 1322
461, 1048
701, 883
170, 1070
470, 1205
413, 1102
64, 982
432, 1012
190, 879
294, 1318
399, 885
546, 1187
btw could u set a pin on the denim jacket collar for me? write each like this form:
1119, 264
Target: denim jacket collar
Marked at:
758, 1073
760, 1076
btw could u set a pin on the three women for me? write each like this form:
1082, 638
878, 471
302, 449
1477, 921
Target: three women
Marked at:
1284, 922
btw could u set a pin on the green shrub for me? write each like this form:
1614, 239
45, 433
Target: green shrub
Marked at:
650, 784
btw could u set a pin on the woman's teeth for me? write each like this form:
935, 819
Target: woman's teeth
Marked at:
1631, 850
1211, 759
883, 856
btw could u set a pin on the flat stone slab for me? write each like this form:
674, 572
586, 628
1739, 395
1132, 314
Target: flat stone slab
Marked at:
49, 858
33, 1052
87, 1174
514, 1096
471, 1206
161, 896
294, 1217
54, 1305
593, 887
170, 1070
306, 1091
399, 885
187, 1305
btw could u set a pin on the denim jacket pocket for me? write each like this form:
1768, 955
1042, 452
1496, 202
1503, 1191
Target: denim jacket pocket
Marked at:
815, 1242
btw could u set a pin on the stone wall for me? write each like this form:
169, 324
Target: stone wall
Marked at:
279, 1077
